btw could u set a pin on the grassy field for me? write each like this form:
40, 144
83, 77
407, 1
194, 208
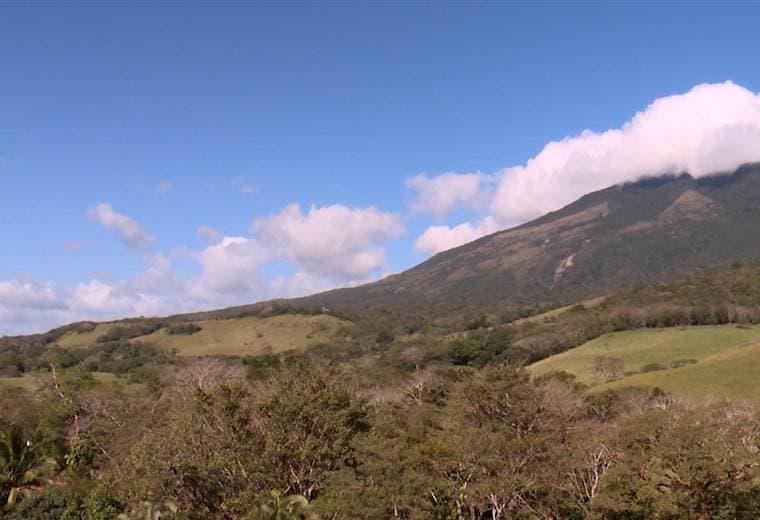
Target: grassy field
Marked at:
727, 360
31, 380
554, 313
76, 339
234, 337
250, 336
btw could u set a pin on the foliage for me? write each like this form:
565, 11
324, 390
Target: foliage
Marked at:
100, 504
52, 504
309, 419
183, 328
483, 347
398, 418
274, 506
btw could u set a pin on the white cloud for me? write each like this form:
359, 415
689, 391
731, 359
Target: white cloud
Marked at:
158, 276
334, 241
444, 193
440, 238
28, 306
229, 271
711, 128
300, 284
330, 246
129, 231
28, 294
208, 234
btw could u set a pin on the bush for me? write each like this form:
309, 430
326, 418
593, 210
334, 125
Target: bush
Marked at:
114, 334
52, 504
101, 505
183, 329
682, 363
134, 330
608, 368
479, 348
384, 337
479, 323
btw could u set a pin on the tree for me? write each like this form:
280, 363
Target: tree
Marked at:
309, 418
608, 368
200, 454
685, 462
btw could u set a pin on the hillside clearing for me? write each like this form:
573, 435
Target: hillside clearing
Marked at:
249, 336
83, 339
555, 313
730, 374
717, 361
229, 337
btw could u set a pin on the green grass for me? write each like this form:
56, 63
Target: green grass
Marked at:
728, 360
30, 381
250, 336
26, 381
231, 337
83, 339
559, 311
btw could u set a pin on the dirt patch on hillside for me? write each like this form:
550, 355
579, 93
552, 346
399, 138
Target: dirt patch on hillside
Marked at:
637, 227
691, 205
563, 266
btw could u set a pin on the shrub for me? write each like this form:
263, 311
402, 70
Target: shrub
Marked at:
101, 505
682, 363
53, 504
608, 368
183, 329
114, 334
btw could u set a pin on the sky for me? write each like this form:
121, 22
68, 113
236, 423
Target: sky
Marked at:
172, 157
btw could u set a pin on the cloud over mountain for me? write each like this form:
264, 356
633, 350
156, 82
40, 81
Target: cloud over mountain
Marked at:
444, 193
440, 238
711, 128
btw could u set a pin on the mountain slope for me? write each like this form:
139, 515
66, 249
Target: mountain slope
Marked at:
650, 230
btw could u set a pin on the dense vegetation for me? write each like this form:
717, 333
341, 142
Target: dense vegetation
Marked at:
318, 442
396, 416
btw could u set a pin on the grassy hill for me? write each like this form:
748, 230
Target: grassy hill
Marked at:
77, 338
712, 361
228, 337
250, 336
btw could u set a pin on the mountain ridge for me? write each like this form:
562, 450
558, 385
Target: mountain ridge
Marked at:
650, 230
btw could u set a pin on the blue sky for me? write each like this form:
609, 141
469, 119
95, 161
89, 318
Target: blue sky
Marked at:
225, 115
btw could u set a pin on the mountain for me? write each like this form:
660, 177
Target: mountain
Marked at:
654, 229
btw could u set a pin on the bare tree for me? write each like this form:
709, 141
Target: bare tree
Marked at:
205, 373
608, 368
